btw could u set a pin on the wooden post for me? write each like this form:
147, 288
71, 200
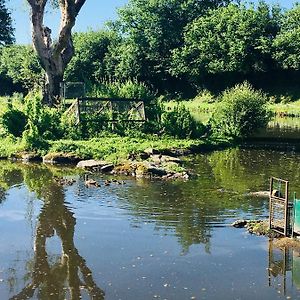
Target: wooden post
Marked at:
270, 203
78, 111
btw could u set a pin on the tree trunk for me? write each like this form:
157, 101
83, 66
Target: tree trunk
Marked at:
54, 56
51, 91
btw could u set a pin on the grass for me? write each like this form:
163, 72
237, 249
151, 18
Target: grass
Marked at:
113, 149
202, 107
118, 148
286, 109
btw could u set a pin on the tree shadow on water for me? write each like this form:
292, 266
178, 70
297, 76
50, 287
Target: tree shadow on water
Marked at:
69, 275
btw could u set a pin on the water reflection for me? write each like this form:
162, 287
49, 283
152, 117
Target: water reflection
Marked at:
284, 267
54, 277
145, 224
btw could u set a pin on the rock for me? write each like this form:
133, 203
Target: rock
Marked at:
92, 164
144, 156
176, 152
185, 176
126, 168
168, 176
239, 223
60, 158
264, 194
142, 170
107, 168
157, 171
31, 157
151, 151
158, 159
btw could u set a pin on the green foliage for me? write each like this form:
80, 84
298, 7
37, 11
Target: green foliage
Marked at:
6, 29
242, 111
21, 65
127, 89
13, 121
88, 65
150, 30
236, 38
287, 42
116, 148
32, 139
43, 119
180, 123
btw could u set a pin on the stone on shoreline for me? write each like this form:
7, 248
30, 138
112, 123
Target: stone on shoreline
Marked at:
264, 194
151, 151
107, 168
92, 164
239, 223
257, 227
31, 157
27, 157
60, 158
158, 159
160, 166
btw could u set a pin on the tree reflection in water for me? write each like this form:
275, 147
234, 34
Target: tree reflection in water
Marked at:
69, 275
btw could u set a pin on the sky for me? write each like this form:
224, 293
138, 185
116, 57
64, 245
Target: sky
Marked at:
93, 15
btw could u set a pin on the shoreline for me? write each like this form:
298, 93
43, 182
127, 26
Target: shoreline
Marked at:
147, 157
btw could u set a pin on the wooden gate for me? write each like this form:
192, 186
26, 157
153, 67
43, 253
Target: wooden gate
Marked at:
111, 109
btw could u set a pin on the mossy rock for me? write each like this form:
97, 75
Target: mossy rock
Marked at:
61, 158
141, 170
259, 227
126, 167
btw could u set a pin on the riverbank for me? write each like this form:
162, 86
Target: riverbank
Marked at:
145, 156
113, 148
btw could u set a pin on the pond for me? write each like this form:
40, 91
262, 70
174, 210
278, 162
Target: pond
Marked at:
145, 239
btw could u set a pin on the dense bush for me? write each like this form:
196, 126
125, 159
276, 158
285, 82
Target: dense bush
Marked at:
242, 111
180, 123
47, 120
118, 89
14, 121
32, 139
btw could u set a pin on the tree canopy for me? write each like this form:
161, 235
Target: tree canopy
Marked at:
287, 42
6, 28
150, 31
235, 38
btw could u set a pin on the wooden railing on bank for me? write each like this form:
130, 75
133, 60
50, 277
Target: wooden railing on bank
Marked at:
112, 109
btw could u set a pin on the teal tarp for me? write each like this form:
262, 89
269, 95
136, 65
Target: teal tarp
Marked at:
297, 216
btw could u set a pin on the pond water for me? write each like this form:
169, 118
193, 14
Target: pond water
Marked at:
145, 239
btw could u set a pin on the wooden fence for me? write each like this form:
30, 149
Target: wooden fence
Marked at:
109, 109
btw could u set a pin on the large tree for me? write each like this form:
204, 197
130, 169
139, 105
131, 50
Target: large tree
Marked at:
150, 31
287, 42
54, 55
232, 39
6, 29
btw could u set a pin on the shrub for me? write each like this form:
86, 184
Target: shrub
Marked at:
31, 139
242, 111
118, 89
14, 121
180, 123
47, 120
